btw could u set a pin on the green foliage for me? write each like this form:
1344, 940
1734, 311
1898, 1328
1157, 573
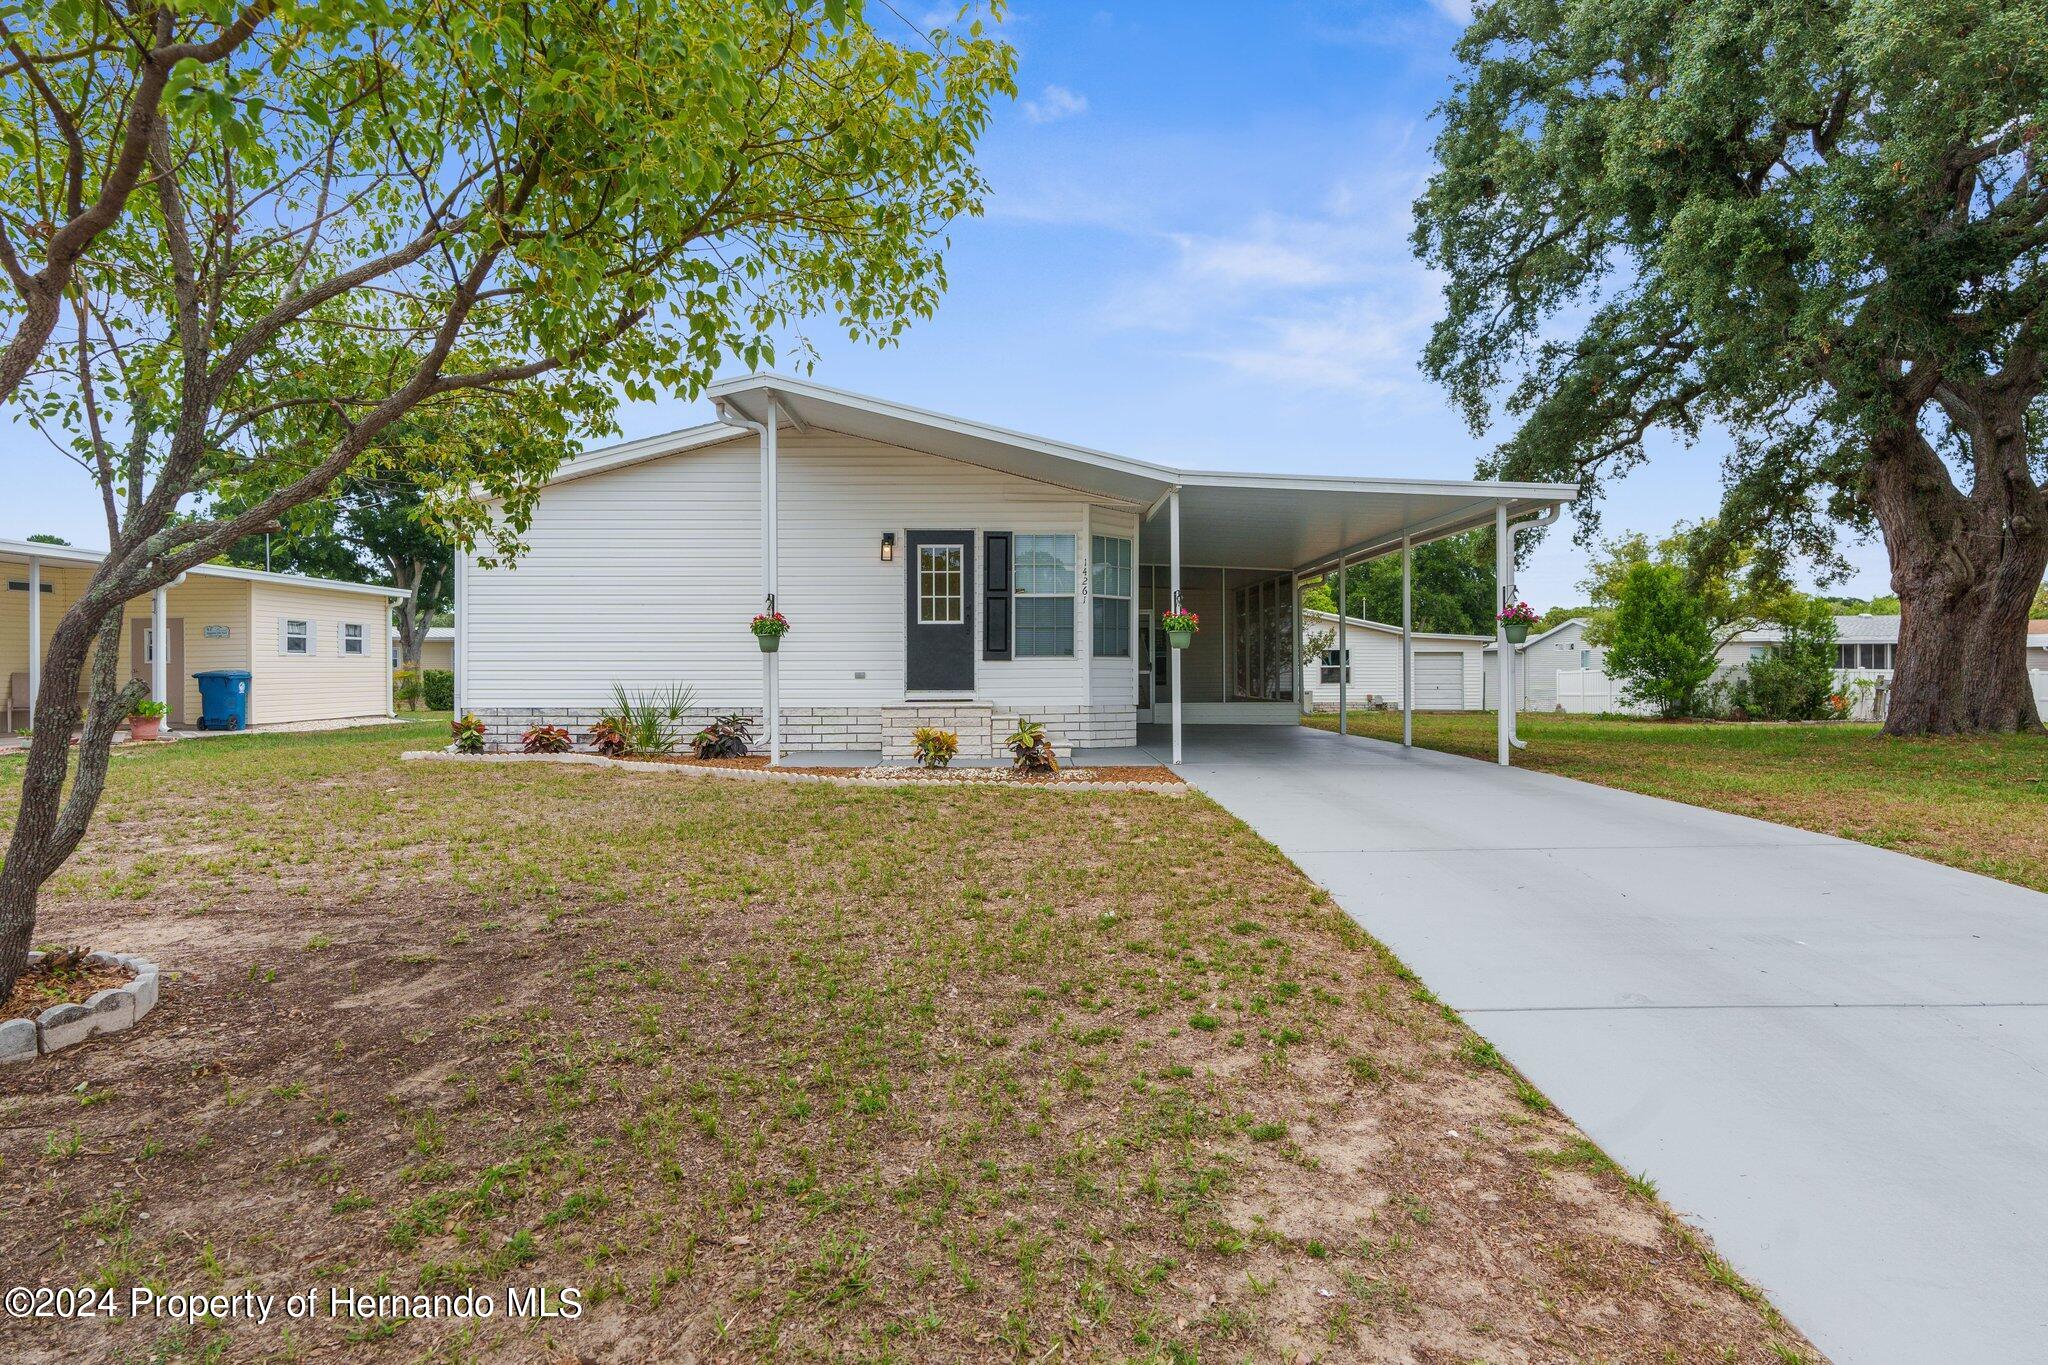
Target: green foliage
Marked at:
406, 688
727, 737
149, 710
1451, 587
1796, 679
1734, 582
437, 689
651, 722
1661, 649
1815, 226
607, 738
1030, 750
469, 734
934, 748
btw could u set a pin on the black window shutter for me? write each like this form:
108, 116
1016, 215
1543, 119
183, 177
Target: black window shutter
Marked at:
995, 578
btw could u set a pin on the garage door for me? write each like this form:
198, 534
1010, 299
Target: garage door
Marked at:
1439, 682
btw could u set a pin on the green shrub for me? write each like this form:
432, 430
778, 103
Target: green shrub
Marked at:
437, 686
408, 691
935, 748
1796, 680
650, 721
1661, 647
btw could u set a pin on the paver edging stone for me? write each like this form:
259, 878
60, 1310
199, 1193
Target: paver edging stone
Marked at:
113, 1010
765, 775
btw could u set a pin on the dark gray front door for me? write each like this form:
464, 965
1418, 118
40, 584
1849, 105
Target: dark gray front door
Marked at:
938, 611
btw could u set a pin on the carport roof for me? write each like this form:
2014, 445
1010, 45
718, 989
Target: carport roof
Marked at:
1277, 522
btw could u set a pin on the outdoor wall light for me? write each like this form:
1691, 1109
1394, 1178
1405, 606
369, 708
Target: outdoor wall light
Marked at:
888, 547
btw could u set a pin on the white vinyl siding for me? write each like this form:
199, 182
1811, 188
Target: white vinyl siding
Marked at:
321, 684
648, 574
1376, 663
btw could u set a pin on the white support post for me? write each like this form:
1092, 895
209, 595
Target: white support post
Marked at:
1173, 584
1294, 649
159, 651
1503, 587
1343, 650
35, 635
771, 675
1407, 643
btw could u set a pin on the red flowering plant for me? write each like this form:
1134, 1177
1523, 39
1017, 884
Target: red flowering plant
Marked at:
1519, 614
1187, 621
770, 625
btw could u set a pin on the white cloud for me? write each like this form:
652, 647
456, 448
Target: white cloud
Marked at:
1457, 11
1054, 103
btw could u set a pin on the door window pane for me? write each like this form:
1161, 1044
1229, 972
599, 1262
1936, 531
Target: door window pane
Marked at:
940, 587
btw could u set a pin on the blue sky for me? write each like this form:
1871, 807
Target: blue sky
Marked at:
1195, 251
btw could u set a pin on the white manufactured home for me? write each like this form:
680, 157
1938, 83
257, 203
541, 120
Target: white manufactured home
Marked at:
935, 571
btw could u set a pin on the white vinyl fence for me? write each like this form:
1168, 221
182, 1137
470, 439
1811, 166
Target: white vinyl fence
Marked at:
1590, 692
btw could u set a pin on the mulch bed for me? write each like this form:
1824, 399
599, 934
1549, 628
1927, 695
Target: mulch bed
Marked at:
38, 988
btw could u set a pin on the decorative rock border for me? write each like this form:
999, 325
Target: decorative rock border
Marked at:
113, 1010
770, 775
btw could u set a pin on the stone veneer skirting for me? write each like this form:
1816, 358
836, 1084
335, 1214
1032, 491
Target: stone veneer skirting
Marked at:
981, 726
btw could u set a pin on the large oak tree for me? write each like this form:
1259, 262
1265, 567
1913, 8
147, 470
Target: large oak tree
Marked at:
1818, 226
459, 215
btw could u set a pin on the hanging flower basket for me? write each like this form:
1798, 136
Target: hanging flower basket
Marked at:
1180, 628
1515, 622
769, 628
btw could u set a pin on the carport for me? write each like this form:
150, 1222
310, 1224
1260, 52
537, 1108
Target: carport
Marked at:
1234, 547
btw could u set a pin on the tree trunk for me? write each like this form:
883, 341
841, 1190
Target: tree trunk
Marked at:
1965, 569
47, 825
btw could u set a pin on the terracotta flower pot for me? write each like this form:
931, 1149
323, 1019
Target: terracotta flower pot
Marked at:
142, 728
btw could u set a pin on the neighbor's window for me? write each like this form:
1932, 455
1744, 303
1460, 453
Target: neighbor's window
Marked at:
1045, 596
1333, 664
351, 638
941, 596
1109, 571
1757, 652
298, 637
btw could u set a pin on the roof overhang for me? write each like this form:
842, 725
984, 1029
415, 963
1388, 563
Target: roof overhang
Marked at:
1275, 522
22, 551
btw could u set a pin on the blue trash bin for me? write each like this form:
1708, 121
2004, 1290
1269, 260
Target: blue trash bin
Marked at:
223, 698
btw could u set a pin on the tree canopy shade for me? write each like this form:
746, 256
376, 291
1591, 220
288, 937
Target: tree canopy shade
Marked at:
437, 243
1451, 587
1821, 226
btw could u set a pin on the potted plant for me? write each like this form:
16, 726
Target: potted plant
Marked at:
1180, 628
769, 628
1516, 620
146, 719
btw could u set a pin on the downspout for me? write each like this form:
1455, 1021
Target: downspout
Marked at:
1515, 670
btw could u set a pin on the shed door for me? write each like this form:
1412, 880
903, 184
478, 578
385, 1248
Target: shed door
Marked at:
938, 622
1439, 682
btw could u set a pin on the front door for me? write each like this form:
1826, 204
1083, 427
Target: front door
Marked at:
938, 629
142, 650
1145, 678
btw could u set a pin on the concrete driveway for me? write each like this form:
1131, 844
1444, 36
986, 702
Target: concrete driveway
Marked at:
1832, 1058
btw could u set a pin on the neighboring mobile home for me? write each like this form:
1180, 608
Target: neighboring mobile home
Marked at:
1446, 675
309, 644
935, 571
437, 651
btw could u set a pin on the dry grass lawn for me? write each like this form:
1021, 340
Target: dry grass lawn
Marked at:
1979, 804
792, 1072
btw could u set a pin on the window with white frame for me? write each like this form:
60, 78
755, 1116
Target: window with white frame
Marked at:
294, 636
352, 641
941, 585
1109, 575
1334, 665
1044, 596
